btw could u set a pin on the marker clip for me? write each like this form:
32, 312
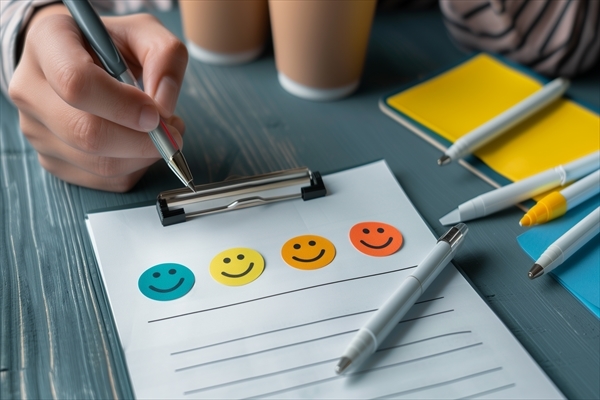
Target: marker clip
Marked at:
179, 205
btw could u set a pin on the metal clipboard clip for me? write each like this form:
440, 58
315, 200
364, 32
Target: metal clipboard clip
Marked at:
179, 205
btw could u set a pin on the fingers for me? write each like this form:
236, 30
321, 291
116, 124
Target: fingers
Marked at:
71, 72
82, 131
88, 128
72, 174
161, 54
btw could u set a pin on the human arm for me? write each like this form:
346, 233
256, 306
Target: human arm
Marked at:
88, 128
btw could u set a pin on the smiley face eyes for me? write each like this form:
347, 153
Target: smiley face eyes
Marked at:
379, 230
227, 260
311, 243
172, 271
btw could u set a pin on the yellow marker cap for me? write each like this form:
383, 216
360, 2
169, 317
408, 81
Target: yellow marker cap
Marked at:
552, 206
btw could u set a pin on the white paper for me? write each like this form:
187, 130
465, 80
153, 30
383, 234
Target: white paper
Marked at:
281, 335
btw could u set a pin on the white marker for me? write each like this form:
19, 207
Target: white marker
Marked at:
501, 123
514, 193
564, 247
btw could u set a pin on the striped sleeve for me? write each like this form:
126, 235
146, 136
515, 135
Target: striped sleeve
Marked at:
554, 37
14, 15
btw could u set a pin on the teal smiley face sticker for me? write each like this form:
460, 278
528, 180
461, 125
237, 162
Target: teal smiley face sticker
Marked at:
165, 282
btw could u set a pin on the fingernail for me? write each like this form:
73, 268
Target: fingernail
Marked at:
148, 118
166, 94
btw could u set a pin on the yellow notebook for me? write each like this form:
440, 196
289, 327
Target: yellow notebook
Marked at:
448, 105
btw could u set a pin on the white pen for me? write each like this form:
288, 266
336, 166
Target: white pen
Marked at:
559, 202
504, 121
516, 192
564, 247
378, 327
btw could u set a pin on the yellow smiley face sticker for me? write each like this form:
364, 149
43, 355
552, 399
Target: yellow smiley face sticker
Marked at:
236, 267
308, 252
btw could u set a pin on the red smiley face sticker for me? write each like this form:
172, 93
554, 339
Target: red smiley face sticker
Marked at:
376, 238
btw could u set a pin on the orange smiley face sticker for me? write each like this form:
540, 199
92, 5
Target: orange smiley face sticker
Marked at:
308, 252
375, 238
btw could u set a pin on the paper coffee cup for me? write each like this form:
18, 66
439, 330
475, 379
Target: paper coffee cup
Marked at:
320, 46
225, 32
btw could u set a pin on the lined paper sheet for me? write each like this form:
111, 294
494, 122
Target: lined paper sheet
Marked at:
281, 335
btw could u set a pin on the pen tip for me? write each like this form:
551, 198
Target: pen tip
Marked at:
191, 186
535, 271
525, 221
443, 160
342, 365
452, 217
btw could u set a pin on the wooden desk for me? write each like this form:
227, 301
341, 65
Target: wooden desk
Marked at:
57, 337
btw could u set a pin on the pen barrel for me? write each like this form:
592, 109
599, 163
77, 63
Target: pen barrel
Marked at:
511, 194
391, 312
508, 119
527, 188
94, 31
161, 137
164, 142
581, 167
582, 190
571, 241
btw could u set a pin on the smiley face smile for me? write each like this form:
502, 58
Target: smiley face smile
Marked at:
152, 287
321, 254
246, 272
386, 244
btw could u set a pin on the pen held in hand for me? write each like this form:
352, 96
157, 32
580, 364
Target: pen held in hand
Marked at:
97, 36
501, 123
378, 327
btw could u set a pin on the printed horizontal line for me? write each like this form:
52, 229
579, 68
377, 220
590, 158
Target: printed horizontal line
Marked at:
289, 345
295, 326
331, 360
252, 378
271, 331
264, 351
279, 294
370, 370
444, 383
424, 340
494, 390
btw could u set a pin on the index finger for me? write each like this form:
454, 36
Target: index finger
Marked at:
71, 72
161, 55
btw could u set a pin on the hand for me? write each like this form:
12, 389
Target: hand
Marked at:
88, 128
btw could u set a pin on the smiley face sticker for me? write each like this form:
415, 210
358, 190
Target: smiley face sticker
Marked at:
165, 282
376, 238
237, 266
308, 252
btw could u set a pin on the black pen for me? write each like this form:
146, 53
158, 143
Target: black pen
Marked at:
96, 34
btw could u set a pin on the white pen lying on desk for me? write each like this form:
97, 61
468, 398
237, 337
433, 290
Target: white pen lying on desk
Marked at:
516, 192
370, 336
501, 123
564, 247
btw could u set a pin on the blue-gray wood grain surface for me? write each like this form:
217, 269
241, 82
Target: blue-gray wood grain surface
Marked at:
57, 336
